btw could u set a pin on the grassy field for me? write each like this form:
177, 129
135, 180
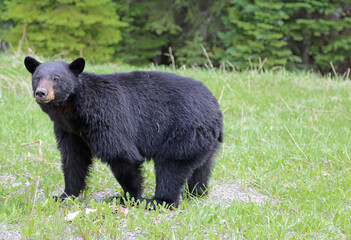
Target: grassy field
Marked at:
287, 136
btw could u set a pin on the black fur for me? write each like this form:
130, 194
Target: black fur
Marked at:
125, 118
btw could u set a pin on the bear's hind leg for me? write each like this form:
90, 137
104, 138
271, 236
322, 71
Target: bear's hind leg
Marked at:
129, 177
198, 182
170, 180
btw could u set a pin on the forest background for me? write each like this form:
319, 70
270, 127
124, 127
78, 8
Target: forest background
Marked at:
303, 34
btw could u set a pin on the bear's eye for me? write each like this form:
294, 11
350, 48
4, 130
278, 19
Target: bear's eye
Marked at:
38, 78
56, 79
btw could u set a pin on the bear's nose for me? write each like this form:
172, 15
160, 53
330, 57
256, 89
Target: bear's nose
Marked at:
41, 93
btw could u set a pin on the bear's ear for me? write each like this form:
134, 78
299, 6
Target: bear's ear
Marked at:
77, 66
31, 64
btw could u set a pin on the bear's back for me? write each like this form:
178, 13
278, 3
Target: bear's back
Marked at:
162, 90
151, 88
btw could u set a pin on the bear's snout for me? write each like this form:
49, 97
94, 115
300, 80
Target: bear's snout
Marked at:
44, 92
41, 93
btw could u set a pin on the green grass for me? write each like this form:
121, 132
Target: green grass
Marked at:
286, 135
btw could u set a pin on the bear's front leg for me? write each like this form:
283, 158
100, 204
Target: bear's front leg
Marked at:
76, 158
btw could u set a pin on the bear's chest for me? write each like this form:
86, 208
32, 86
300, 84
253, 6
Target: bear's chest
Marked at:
65, 117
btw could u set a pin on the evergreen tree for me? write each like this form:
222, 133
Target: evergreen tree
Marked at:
71, 27
320, 33
156, 25
302, 34
200, 22
146, 37
254, 30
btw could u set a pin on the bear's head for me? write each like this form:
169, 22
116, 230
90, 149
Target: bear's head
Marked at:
54, 82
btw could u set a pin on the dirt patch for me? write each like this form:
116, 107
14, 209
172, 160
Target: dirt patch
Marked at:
10, 181
236, 192
9, 232
103, 195
219, 193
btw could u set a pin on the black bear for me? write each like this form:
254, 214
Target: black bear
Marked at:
125, 118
